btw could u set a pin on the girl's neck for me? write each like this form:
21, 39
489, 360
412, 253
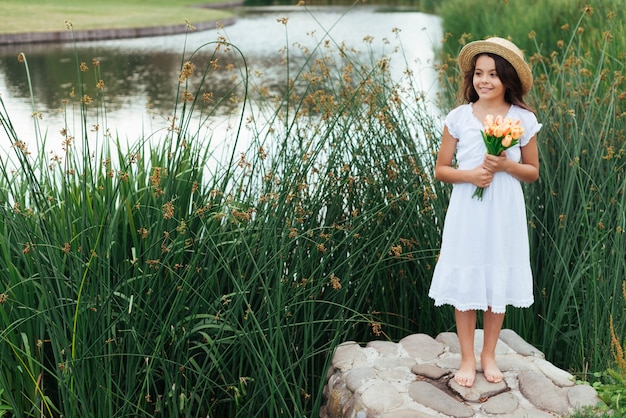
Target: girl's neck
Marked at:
482, 108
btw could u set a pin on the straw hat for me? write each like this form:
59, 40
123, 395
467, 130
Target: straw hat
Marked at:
502, 47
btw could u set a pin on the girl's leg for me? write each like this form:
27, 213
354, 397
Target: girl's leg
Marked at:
465, 328
492, 325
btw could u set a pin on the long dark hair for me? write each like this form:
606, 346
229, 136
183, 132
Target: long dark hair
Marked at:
508, 76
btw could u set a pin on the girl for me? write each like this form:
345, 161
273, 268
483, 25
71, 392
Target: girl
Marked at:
484, 262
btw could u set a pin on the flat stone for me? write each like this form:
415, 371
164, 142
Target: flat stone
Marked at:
393, 362
381, 397
356, 377
501, 347
450, 340
385, 348
529, 413
407, 413
451, 362
559, 376
504, 403
515, 362
422, 346
430, 371
480, 390
438, 400
398, 378
581, 396
542, 393
518, 344
349, 355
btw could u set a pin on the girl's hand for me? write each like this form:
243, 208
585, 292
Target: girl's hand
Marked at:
496, 163
480, 176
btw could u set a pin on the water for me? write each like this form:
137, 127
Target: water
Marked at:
141, 75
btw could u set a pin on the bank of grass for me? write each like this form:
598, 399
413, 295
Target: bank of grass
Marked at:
50, 15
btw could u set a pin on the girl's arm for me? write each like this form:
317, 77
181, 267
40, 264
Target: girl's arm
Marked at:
444, 171
526, 170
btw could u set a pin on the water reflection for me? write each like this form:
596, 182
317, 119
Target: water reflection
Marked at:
141, 75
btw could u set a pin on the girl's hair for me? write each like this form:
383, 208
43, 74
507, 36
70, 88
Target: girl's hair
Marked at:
508, 76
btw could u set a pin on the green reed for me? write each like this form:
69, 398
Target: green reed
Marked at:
158, 279
147, 280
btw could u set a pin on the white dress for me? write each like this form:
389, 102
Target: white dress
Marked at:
484, 259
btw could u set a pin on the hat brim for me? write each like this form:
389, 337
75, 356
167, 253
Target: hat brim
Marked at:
469, 51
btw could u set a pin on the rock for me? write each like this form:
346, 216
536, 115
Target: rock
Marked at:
407, 413
581, 396
412, 379
542, 393
422, 346
399, 378
450, 361
336, 401
501, 347
356, 377
482, 389
558, 376
392, 362
450, 340
430, 371
504, 403
529, 413
385, 348
381, 397
348, 355
515, 362
438, 400
518, 344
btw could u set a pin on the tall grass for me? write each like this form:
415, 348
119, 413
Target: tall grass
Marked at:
149, 281
576, 209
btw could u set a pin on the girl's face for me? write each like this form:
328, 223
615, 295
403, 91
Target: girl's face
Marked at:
486, 80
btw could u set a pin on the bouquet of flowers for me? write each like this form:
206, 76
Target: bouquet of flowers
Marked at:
499, 135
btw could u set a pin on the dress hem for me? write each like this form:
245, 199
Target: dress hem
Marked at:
484, 307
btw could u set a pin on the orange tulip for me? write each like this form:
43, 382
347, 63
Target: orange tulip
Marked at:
499, 134
517, 132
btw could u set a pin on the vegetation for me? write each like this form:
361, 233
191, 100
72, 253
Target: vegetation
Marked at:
158, 280
576, 210
50, 15
216, 289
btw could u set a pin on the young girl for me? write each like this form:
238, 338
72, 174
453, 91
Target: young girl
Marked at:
484, 262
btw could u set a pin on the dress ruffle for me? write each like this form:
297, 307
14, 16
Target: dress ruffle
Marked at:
481, 287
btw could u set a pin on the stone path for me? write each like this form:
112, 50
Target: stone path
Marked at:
413, 379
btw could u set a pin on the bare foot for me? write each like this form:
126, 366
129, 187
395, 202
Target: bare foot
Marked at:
466, 374
490, 369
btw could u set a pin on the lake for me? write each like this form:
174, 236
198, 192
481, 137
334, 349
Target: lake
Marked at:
141, 75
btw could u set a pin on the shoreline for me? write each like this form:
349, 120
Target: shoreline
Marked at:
119, 33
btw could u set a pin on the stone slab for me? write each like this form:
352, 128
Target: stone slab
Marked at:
438, 400
542, 393
480, 391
